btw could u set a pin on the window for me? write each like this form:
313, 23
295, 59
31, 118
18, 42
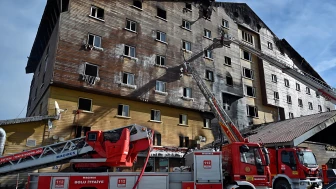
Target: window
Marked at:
137, 3
186, 45
161, 13
252, 111
94, 40
270, 45
160, 60
276, 95
247, 56
160, 86
186, 25
288, 158
183, 119
157, 139
155, 115
208, 54
274, 78
160, 36
298, 87
226, 103
290, 115
319, 108
249, 91
328, 109
310, 105
300, 102
131, 25
188, 6
247, 37
91, 70
227, 61
247, 73
129, 51
286, 82
225, 23
308, 90
123, 110
229, 80
206, 123
85, 104
184, 141
207, 33
128, 78
187, 92
289, 99
209, 75
97, 12
317, 95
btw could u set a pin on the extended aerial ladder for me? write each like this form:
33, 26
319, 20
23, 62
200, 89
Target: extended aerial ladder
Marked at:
92, 145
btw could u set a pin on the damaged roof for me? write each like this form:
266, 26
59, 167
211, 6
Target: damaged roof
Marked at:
292, 131
26, 120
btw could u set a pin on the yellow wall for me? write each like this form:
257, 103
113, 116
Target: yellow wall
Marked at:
104, 111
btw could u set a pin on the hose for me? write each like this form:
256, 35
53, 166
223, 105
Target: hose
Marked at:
150, 142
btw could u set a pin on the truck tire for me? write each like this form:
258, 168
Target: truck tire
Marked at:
282, 184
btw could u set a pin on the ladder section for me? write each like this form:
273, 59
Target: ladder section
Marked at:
230, 130
311, 81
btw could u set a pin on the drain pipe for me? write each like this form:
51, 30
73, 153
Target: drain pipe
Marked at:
2, 140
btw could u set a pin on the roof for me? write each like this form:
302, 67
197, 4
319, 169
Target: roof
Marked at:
292, 131
26, 120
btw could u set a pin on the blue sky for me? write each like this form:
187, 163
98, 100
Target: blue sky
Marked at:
308, 25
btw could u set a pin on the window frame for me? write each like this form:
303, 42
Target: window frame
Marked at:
91, 104
128, 78
298, 87
181, 120
206, 121
289, 99
227, 61
131, 22
310, 106
208, 54
250, 59
225, 23
274, 78
253, 91
286, 81
159, 59
185, 92
269, 45
160, 85
96, 13
276, 95
158, 9
186, 25
161, 35
153, 115
227, 81
247, 37
207, 33
209, 73
123, 110
184, 45
251, 73
129, 51
94, 39
308, 91
300, 102
319, 107
255, 108
85, 66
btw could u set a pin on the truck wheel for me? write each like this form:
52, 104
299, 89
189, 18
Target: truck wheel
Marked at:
282, 184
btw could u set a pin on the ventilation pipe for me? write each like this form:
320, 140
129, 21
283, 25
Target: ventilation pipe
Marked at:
2, 140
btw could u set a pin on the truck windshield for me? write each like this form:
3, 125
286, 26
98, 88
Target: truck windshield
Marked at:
307, 158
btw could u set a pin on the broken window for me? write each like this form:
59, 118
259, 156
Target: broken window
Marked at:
186, 45
227, 61
128, 78
131, 25
308, 90
300, 102
274, 78
129, 51
85, 104
161, 13
286, 82
208, 54
123, 110
186, 25
188, 6
207, 33
248, 73
206, 123
298, 87
137, 4
269, 45
94, 40
209, 75
252, 111
247, 56
89, 73
187, 92
310, 105
225, 23
160, 86
97, 12
319, 108
229, 80
155, 115
249, 91
183, 119
161, 36
160, 60
276, 95
247, 37
289, 99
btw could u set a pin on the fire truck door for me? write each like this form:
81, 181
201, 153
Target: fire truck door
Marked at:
288, 164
